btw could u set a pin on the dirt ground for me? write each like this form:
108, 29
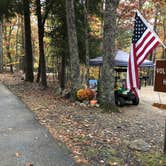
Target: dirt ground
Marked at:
147, 94
93, 137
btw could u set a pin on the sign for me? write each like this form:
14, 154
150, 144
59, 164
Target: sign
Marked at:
160, 76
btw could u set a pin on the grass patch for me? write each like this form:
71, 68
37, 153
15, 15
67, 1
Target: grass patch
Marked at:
152, 159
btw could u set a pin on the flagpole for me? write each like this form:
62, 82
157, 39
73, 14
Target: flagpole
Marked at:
147, 24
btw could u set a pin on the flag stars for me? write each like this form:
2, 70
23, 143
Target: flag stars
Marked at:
139, 27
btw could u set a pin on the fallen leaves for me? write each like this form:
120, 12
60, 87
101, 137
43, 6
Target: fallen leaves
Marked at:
93, 138
29, 164
163, 162
18, 154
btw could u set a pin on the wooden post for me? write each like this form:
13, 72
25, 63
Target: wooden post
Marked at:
165, 139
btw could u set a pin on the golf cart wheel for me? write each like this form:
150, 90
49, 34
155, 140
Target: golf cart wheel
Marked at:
135, 101
120, 101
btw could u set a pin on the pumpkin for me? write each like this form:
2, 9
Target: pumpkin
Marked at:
85, 94
90, 93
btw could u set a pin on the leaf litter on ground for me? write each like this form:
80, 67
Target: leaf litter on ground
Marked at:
94, 138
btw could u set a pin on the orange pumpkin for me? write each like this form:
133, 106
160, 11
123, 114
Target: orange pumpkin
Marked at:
90, 93
85, 94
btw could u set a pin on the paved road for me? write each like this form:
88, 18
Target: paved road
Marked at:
23, 139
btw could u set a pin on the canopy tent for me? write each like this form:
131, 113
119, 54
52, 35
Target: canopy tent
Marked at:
121, 60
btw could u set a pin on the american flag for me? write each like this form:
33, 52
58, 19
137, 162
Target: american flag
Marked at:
144, 40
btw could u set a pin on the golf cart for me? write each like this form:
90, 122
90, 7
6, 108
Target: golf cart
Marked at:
123, 97
122, 94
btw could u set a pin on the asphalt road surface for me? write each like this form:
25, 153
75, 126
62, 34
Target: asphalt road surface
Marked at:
23, 140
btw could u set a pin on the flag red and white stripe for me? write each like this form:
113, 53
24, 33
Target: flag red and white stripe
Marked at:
144, 41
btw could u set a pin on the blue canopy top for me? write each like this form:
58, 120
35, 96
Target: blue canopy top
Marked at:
121, 60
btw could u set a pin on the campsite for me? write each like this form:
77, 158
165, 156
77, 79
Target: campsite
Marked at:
135, 135
82, 82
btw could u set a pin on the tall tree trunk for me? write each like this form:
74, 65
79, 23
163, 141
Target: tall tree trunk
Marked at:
22, 49
17, 39
1, 47
63, 71
86, 7
153, 54
164, 31
7, 37
107, 75
28, 45
73, 48
140, 4
38, 73
42, 62
155, 29
10, 58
